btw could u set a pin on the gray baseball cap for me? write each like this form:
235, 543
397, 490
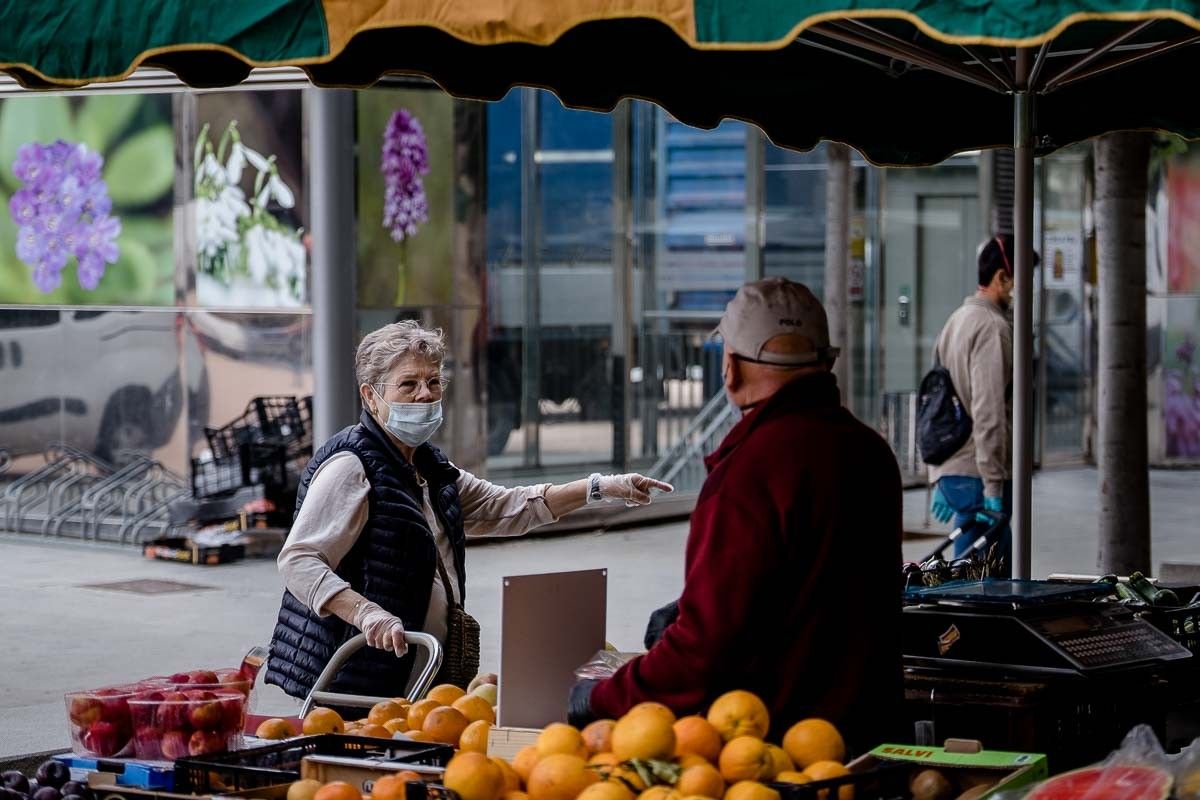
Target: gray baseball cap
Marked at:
771, 307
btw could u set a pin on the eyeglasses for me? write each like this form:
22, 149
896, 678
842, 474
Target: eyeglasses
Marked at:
409, 389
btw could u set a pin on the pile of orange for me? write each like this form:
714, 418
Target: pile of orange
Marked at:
721, 756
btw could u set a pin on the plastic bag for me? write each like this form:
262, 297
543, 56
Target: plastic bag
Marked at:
603, 665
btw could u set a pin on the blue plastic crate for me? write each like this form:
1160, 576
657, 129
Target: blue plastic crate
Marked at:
142, 774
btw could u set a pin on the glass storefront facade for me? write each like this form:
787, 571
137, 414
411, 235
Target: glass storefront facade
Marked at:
578, 262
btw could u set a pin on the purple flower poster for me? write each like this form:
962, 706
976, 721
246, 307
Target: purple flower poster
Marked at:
87, 187
405, 198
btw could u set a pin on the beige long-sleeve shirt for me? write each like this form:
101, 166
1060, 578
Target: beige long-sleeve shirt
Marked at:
335, 511
975, 347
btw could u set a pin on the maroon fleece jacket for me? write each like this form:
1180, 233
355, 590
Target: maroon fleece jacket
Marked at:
792, 581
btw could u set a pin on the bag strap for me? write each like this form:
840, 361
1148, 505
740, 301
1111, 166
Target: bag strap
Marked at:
451, 603
937, 361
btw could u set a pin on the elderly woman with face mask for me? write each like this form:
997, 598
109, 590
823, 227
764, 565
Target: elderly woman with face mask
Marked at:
377, 545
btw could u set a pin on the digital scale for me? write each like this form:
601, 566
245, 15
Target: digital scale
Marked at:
1029, 626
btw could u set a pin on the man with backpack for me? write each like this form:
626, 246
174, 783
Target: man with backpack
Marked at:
975, 350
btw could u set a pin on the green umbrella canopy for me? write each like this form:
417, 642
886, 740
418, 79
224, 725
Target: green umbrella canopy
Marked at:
907, 83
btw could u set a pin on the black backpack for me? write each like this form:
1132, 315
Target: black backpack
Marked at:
943, 425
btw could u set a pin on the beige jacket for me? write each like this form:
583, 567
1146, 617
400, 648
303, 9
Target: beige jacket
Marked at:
975, 346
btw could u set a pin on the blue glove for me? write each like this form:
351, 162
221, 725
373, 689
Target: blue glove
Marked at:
938, 506
994, 504
579, 703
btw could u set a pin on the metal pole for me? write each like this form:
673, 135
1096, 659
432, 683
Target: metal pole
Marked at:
1023, 139
1043, 327
621, 347
754, 234
531, 255
837, 258
330, 121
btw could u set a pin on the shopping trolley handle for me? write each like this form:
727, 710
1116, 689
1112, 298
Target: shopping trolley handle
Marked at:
419, 687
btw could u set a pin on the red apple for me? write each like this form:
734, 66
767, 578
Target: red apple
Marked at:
114, 706
200, 694
154, 695
238, 680
202, 677
206, 742
85, 710
172, 712
147, 742
103, 739
233, 708
174, 745
180, 677
206, 716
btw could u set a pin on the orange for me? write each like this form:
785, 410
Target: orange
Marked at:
751, 790
377, 731
657, 708
791, 776
514, 796
474, 737
389, 787
746, 759
606, 790
338, 790
324, 720
660, 793
702, 780
646, 735
558, 737
524, 762
397, 725
697, 736
597, 737
512, 781
274, 729
419, 736
691, 760
813, 740
603, 760
304, 790
560, 777
445, 694
474, 777
402, 701
445, 724
739, 713
475, 708
408, 775
627, 777
823, 771
386, 710
417, 712
781, 761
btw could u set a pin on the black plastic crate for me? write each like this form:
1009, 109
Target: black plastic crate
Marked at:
885, 782
419, 790
216, 477
280, 763
1181, 624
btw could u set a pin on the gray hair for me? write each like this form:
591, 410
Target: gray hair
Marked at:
380, 350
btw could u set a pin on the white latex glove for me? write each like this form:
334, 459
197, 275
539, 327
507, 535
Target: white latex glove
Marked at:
631, 487
384, 631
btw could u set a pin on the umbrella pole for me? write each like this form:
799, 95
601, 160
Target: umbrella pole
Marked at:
1023, 140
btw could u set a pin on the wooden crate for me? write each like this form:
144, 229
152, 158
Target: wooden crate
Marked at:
507, 742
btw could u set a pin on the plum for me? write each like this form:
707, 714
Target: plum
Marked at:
53, 774
10, 794
203, 742
46, 793
174, 745
16, 781
76, 788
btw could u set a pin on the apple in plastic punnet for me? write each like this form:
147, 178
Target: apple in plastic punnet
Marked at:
173, 711
155, 695
203, 742
206, 716
179, 677
233, 707
13, 779
238, 680
53, 773
147, 743
104, 739
202, 677
174, 745
85, 710
114, 705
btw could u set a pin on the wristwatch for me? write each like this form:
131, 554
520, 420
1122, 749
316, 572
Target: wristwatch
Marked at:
594, 495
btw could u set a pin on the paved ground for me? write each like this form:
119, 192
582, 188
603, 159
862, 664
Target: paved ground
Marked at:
59, 632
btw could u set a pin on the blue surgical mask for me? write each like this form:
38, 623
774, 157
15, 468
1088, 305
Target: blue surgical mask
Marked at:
412, 423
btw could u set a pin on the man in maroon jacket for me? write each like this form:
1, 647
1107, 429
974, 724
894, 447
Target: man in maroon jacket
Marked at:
792, 582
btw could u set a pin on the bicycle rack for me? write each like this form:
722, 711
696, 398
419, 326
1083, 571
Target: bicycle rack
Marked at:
138, 529
83, 515
36, 497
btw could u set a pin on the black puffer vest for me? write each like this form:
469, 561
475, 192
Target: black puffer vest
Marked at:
393, 563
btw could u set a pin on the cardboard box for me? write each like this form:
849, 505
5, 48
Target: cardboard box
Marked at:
360, 772
507, 742
183, 551
964, 762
